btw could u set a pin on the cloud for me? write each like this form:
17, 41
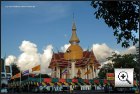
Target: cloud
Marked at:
29, 56
10, 60
46, 58
65, 47
101, 51
130, 50
28, 47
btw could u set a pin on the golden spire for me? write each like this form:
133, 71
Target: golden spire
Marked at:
74, 38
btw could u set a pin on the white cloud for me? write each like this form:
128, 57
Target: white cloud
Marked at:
29, 57
46, 58
10, 60
65, 47
130, 50
28, 47
101, 51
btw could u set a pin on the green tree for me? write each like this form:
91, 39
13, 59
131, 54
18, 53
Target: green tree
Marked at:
15, 69
122, 17
125, 61
120, 61
107, 68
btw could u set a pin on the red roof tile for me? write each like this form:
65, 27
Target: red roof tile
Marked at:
58, 59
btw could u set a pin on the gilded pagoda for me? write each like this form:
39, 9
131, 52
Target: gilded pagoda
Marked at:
74, 63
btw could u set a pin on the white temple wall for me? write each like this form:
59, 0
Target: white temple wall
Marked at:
58, 72
91, 75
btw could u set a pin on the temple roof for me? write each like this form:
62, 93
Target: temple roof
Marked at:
59, 61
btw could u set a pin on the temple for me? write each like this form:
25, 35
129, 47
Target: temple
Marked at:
74, 63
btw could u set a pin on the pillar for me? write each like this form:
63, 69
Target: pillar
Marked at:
58, 72
93, 72
84, 73
72, 69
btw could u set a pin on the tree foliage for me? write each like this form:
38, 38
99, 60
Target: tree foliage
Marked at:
106, 68
124, 61
15, 69
122, 16
121, 61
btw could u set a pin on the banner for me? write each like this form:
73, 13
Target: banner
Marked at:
62, 80
36, 68
47, 80
96, 81
105, 81
74, 80
55, 80
110, 76
86, 80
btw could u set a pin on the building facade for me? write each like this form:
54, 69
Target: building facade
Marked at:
74, 63
6, 72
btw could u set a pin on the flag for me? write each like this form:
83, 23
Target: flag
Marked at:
36, 68
88, 72
26, 72
17, 75
64, 72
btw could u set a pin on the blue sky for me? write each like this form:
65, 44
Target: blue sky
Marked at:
50, 22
